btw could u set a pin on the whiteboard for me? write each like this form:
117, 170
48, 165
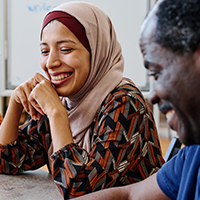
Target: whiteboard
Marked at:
25, 20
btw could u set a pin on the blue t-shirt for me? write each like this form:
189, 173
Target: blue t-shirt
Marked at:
179, 178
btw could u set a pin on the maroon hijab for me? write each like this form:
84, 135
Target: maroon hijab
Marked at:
71, 23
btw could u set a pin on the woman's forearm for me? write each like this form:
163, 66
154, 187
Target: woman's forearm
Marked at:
10, 125
60, 129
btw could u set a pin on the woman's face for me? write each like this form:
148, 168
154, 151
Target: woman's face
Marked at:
64, 59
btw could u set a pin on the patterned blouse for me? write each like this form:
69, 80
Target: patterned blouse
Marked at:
124, 147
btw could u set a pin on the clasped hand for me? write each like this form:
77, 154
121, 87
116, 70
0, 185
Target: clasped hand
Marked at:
37, 96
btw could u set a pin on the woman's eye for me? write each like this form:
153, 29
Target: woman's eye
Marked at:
44, 52
66, 50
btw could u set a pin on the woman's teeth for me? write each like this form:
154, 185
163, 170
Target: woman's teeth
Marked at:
60, 77
169, 114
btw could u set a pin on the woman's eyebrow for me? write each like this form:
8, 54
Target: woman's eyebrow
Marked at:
65, 41
59, 42
43, 43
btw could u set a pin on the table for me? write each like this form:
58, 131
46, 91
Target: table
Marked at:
30, 185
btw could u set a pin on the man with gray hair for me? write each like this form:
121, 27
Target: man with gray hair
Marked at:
170, 44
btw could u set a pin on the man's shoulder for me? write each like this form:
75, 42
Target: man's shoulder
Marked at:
176, 176
187, 158
192, 151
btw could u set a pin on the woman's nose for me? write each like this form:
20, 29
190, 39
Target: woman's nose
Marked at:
152, 97
53, 60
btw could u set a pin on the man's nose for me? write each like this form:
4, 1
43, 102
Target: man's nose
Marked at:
152, 97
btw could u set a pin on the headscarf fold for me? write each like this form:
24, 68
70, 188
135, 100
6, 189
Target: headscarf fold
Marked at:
107, 65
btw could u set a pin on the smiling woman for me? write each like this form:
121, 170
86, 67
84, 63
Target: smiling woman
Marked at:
60, 47
87, 122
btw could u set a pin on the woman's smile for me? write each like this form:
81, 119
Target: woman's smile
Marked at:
60, 77
58, 80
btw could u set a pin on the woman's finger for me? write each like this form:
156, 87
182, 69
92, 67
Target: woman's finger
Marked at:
33, 102
22, 99
23, 92
38, 78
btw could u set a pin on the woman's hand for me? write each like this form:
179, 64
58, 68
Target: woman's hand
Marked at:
20, 96
44, 97
18, 102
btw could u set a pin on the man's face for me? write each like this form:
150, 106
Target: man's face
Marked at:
176, 84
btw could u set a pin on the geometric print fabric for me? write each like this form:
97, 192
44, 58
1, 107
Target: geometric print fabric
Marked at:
124, 147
